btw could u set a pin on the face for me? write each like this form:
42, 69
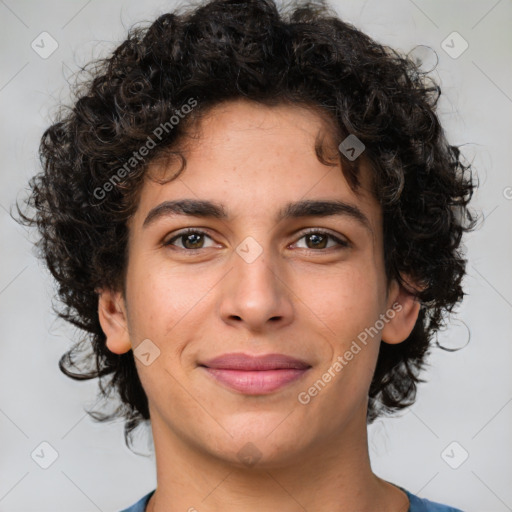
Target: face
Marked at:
255, 276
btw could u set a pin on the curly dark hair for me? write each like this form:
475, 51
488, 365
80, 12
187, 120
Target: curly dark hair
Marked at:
222, 50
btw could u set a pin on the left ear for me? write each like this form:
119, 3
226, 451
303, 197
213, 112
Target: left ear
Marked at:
406, 307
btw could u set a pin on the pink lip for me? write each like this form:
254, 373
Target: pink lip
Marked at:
254, 375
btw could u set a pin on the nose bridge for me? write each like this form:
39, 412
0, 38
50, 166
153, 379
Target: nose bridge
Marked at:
254, 292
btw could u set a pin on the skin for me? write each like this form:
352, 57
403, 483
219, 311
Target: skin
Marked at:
294, 298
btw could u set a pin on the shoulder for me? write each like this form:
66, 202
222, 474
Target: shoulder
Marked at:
140, 506
416, 504
424, 505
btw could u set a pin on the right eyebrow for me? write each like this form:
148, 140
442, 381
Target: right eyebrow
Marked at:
194, 207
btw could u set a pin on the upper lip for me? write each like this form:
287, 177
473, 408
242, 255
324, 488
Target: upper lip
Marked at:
239, 361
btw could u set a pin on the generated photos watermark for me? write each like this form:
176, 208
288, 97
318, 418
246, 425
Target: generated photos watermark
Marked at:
304, 397
138, 156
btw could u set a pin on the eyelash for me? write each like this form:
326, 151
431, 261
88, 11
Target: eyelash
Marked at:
342, 243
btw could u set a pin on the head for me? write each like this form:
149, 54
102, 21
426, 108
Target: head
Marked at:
242, 106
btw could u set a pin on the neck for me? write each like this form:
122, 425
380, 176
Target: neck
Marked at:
333, 475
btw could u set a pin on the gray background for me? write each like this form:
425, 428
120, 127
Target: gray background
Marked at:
468, 398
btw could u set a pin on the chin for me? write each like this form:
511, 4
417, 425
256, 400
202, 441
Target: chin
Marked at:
262, 448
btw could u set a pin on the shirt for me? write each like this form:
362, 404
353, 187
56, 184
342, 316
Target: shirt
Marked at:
416, 504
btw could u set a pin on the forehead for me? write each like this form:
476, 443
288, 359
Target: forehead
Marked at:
255, 159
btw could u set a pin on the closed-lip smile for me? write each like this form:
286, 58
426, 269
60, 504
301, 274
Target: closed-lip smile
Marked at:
255, 375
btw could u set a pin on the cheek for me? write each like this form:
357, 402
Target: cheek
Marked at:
162, 295
346, 302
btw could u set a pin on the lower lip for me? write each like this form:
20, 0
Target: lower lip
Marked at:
256, 382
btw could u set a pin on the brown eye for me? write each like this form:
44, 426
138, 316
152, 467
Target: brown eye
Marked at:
318, 240
190, 240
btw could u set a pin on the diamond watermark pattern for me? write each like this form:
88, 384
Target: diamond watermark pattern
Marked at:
44, 455
454, 45
249, 454
351, 147
44, 45
146, 352
249, 249
454, 455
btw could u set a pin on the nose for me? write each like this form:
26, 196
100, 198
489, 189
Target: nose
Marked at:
256, 295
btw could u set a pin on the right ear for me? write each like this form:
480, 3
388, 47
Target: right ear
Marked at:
113, 320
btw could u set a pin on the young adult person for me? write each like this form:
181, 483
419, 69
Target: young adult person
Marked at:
256, 217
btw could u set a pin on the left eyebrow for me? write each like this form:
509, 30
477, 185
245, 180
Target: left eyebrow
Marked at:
298, 209
324, 208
